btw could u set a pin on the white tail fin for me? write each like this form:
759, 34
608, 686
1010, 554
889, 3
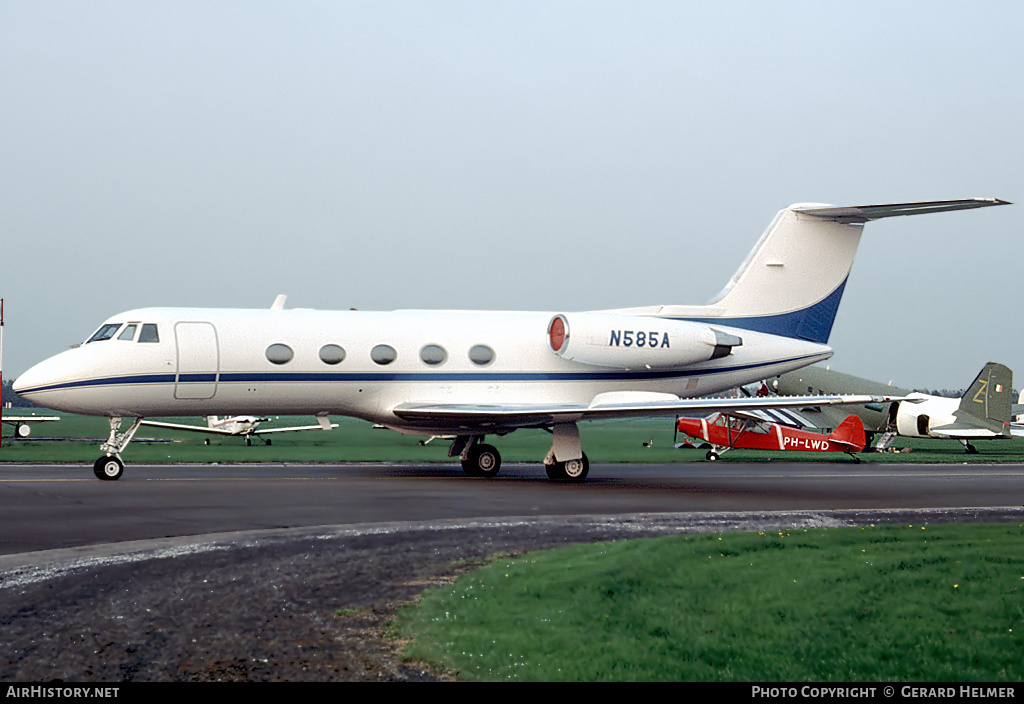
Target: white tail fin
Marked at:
791, 283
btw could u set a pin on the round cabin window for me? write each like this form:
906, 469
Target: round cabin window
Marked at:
280, 354
383, 354
481, 355
433, 355
332, 354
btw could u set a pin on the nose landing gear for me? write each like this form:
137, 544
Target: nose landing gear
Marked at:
109, 467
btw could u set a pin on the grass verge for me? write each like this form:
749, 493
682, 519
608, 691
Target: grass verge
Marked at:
907, 603
640, 440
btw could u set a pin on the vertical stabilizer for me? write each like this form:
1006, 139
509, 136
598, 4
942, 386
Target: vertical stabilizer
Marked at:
988, 398
851, 434
791, 283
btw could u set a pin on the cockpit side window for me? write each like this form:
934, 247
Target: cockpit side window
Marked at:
129, 332
106, 331
149, 333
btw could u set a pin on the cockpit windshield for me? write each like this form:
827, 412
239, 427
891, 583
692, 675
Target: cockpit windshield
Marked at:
106, 331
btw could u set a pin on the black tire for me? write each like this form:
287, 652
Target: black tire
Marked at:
482, 461
569, 472
108, 468
712, 456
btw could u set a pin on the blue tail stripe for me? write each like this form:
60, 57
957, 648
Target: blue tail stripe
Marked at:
813, 323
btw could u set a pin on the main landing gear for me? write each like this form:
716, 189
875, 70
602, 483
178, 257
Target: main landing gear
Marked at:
565, 462
109, 467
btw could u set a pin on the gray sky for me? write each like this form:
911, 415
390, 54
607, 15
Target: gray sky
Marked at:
509, 155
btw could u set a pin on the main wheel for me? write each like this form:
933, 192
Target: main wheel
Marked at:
108, 468
571, 471
712, 456
482, 461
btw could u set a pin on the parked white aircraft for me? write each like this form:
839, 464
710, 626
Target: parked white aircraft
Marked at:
467, 374
247, 426
22, 424
984, 412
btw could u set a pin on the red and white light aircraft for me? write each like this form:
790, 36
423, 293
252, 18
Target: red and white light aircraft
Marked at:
726, 431
467, 374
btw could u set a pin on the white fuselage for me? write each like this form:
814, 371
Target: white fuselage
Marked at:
218, 362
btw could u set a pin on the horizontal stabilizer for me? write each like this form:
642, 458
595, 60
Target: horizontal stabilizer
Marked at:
959, 430
865, 213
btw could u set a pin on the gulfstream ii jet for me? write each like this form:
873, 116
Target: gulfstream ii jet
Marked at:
464, 375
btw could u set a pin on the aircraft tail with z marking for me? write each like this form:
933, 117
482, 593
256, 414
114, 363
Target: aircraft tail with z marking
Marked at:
987, 402
791, 283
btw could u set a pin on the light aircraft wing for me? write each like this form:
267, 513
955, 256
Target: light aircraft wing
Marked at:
222, 431
185, 426
293, 428
778, 416
609, 405
30, 419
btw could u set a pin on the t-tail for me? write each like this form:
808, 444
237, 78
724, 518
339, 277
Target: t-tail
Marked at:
791, 283
987, 402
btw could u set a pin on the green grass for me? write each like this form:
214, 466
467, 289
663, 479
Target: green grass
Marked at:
643, 440
907, 603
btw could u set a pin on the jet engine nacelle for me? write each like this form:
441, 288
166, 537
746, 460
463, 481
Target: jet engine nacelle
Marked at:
916, 419
636, 342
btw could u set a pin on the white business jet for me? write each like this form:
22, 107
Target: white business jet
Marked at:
247, 426
467, 374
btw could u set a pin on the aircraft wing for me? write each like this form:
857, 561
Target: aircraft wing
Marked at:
185, 426
778, 416
30, 419
610, 405
291, 429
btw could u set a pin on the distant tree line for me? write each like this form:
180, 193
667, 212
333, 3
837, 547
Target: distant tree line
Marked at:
947, 393
957, 393
14, 399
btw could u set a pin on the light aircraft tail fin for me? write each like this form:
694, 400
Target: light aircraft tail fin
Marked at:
212, 421
850, 433
792, 281
988, 398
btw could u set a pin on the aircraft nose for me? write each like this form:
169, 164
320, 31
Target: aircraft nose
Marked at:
42, 376
45, 383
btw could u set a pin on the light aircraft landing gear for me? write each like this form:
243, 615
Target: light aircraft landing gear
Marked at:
110, 467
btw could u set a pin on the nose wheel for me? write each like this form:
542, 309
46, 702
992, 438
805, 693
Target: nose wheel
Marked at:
108, 468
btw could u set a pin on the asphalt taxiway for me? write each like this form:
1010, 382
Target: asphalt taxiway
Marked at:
45, 507
287, 573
